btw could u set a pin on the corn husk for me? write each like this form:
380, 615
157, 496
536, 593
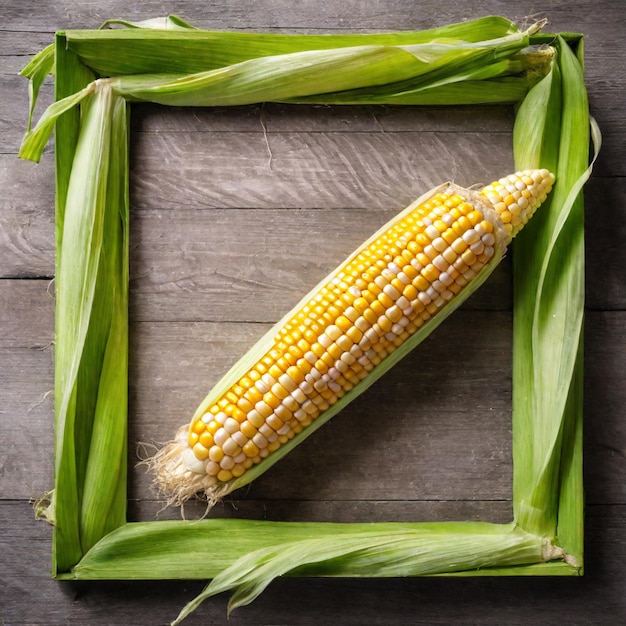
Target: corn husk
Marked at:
552, 128
91, 351
168, 61
450, 67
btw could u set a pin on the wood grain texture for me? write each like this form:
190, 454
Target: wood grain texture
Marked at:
273, 197
309, 15
209, 265
605, 228
176, 275
26, 385
308, 170
273, 117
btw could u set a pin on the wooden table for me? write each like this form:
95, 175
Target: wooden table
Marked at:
273, 197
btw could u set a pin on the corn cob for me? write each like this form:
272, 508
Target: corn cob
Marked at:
395, 283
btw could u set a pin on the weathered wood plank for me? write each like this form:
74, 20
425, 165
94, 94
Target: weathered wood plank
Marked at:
160, 401
26, 315
172, 255
446, 415
605, 234
27, 186
201, 352
17, 47
27, 219
469, 401
26, 385
270, 14
251, 265
269, 119
605, 399
266, 118
308, 170
14, 109
344, 511
481, 458
31, 597
273, 118
177, 274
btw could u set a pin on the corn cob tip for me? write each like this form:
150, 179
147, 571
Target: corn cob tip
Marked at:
516, 197
180, 476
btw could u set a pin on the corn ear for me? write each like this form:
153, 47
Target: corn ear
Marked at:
356, 324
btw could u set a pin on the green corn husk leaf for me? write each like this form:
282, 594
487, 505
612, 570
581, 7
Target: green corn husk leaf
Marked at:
170, 22
143, 51
483, 70
37, 71
315, 72
469, 82
204, 548
441, 72
491, 91
71, 76
76, 287
552, 130
35, 141
42, 65
91, 321
416, 551
105, 471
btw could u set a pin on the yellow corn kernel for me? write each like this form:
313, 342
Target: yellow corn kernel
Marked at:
198, 427
206, 440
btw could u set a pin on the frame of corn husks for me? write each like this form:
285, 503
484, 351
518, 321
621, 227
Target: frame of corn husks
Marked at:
98, 74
